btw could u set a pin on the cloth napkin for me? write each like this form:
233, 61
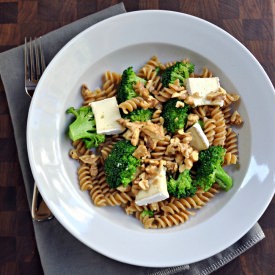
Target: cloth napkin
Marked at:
60, 252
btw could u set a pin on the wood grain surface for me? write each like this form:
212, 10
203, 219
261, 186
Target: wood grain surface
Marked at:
250, 21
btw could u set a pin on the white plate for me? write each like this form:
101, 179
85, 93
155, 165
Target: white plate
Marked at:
130, 40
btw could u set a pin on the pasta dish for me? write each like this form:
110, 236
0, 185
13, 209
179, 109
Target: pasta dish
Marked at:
155, 141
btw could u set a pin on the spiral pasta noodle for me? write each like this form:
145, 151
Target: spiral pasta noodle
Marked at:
220, 130
134, 103
97, 196
168, 92
206, 73
80, 148
117, 198
153, 63
231, 146
160, 149
85, 179
209, 129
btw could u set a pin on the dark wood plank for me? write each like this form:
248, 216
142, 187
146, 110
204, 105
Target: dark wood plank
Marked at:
250, 21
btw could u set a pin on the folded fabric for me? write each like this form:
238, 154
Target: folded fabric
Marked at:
59, 251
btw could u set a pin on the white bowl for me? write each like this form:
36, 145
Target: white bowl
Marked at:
130, 40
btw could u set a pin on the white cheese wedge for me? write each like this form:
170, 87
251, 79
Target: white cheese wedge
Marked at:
157, 190
199, 139
201, 87
106, 114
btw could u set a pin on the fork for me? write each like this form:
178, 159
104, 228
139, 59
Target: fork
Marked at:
34, 67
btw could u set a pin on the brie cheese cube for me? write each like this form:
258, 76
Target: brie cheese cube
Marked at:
201, 87
157, 190
199, 139
106, 114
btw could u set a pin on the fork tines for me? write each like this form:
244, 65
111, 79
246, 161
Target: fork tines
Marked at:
34, 64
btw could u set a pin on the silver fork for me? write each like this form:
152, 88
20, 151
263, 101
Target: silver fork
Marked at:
34, 67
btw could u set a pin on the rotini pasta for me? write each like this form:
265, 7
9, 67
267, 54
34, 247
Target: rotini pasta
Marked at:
157, 148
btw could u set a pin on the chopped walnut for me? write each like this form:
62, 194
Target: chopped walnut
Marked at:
182, 168
151, 170
181, 132
150, 142
154, 206
189, 100
187, 152
176, 146
180, 95
172, 166
84, 90
236, 118
216, 95
179, 104
141, 152
89, 159
196, 95
93, 161
188, 163
192, 119
152, 161
179, 158
194, 156
128, 134
233, 97
155, 131
133, 131
144, 184
73, 154
184, 136
141, 182
123, 189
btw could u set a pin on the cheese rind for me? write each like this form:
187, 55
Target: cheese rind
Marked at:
199, 139
200, 88
106, 114
156, 192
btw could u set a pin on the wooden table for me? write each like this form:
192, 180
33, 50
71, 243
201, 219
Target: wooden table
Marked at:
250, 21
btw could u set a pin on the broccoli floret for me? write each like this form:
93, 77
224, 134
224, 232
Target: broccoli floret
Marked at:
201, 122
120, 166
139, 115
126, 90
209, 169
157, 70
149, 213
174, 118
182, 186
180, 70
84, 127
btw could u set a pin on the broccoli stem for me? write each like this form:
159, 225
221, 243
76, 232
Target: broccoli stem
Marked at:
223, 179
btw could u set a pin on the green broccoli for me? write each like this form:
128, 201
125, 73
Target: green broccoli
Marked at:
84, 127
120, 166
145, 213
139, 115
209, 169
182, 186
174, 118
126, 90
201, 122
180, 70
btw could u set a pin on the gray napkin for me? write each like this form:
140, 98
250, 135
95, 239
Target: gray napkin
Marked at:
59, 251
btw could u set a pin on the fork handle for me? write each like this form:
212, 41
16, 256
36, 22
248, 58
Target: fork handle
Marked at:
40, 211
